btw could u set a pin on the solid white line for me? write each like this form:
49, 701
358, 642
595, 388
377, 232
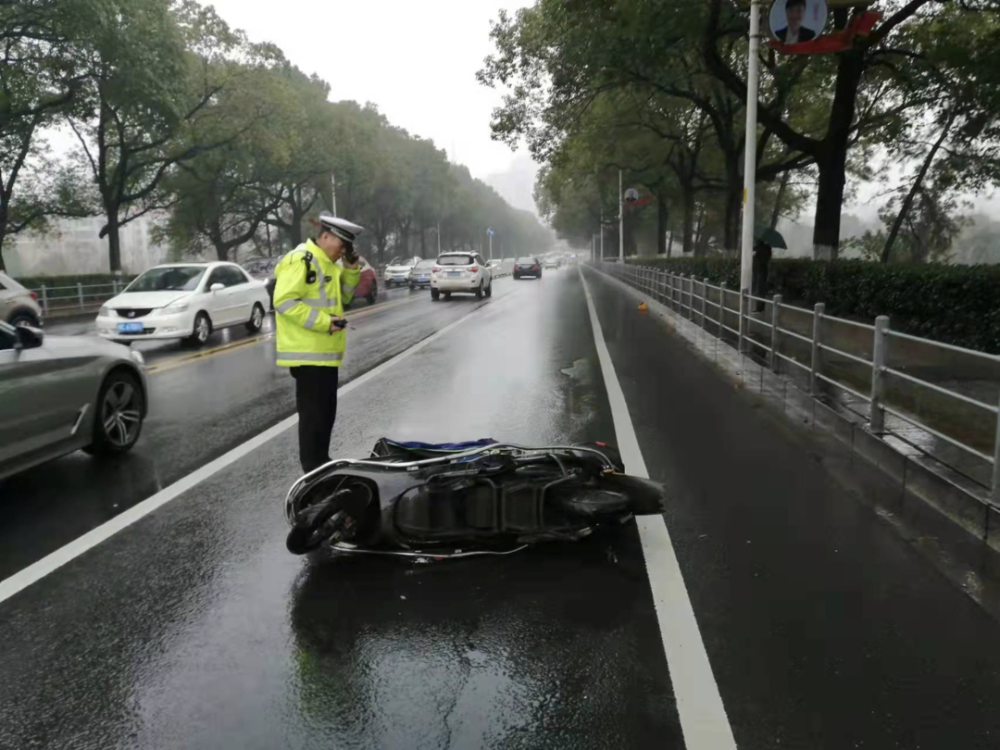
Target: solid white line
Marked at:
55, 560
703, 717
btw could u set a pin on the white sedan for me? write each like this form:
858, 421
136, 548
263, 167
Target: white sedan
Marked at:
398, 271
184, 301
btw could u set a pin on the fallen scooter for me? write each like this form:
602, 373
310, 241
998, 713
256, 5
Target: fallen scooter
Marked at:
437, 501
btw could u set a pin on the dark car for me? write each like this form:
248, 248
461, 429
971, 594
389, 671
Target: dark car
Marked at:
529, 266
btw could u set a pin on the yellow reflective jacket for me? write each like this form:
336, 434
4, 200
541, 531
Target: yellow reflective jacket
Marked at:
303, 311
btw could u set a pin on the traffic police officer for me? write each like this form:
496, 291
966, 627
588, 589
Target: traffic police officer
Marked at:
310, 293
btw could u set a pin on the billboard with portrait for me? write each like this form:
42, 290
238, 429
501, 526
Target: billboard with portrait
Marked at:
797, 21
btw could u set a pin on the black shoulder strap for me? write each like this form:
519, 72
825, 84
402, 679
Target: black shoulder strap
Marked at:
310, 271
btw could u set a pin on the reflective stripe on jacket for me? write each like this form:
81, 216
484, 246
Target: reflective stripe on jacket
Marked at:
303, 311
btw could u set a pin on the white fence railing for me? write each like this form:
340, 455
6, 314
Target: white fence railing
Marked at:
888, 370
74, 298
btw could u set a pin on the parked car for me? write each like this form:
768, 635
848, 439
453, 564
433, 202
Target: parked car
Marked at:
398, 271
184, 301
261, 268
420, 276
461, 272
527, 266
18, 306
367, 287
62, 393
495, 267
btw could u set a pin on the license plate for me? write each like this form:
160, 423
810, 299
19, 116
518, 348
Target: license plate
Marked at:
455, 273
130, 328
421, 278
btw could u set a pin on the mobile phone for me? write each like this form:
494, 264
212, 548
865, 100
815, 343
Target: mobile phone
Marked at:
340, 323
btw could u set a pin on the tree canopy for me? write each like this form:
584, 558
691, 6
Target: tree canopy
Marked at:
659, 90
223, 140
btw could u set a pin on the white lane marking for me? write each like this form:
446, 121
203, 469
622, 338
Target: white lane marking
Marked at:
703, 717
55, 560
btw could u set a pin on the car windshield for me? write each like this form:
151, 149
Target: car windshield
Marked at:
456, 260
168, 279
527, 261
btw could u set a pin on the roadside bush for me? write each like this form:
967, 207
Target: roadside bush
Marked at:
955, 304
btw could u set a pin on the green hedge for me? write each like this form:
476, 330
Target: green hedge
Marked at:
87, 279
956, 304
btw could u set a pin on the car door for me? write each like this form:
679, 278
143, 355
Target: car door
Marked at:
42, 402
242, 290
220, 302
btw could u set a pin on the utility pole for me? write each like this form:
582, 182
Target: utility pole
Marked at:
491, 245
621, 220
750, 150
333, 192
439, 237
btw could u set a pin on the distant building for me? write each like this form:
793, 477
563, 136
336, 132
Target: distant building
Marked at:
75, 248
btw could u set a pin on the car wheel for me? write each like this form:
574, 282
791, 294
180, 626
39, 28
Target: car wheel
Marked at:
435, 295
372, 295
118, 419
447, 295
489, 289
479, 291
256, 321
24, 318
202, 329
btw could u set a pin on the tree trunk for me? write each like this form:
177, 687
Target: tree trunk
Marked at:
662, 218
670, 245
734, 211
779, 196
904, 210
3, 229
114, 240
423, 242
832, 159
688, 234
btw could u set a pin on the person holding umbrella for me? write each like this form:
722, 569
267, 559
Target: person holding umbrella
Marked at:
764, 239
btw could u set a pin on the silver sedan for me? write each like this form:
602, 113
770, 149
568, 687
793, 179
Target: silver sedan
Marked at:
59, 394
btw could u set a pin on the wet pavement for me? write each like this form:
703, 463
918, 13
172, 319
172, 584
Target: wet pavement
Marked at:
194, 628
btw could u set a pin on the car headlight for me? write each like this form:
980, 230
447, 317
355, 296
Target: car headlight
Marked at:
137, 357
176, 307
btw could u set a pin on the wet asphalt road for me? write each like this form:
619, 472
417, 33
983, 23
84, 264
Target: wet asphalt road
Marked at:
194, 628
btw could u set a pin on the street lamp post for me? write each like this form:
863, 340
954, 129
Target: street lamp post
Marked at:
750, 150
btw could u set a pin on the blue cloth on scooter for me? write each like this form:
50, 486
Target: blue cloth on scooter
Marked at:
443, 447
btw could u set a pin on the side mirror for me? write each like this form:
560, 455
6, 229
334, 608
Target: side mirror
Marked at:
216, 287
28, 338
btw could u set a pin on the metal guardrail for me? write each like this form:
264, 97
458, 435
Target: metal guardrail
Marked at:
691, 298
55, 300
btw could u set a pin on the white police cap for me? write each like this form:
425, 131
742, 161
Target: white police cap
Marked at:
346, 230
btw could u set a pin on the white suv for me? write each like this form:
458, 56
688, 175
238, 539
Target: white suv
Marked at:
465, 273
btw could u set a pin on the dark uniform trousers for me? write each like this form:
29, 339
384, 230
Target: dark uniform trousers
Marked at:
316, 402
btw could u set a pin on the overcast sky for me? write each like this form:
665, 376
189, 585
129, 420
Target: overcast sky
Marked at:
416, 60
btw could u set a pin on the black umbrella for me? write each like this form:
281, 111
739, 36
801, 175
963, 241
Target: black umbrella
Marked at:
770, 237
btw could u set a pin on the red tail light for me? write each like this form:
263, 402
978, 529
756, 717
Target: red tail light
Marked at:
436, 270
534, 268
473, 269
33, 296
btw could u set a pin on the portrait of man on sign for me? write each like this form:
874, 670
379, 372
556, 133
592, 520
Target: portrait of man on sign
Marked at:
795, 21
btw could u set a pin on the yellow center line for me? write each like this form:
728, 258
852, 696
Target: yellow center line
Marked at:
207, 353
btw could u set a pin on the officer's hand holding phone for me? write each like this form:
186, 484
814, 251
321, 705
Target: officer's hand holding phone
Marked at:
337, 324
